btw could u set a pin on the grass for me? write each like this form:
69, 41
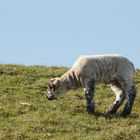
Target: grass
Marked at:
26, 114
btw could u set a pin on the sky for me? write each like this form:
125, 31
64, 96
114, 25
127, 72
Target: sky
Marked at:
57, 32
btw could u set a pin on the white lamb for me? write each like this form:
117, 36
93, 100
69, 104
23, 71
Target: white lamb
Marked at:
115, 70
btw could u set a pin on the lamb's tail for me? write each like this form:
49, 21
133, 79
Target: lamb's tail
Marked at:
133, 66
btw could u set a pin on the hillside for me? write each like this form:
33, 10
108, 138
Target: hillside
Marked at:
25, 112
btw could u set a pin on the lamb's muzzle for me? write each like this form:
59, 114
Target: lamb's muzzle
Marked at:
51, 97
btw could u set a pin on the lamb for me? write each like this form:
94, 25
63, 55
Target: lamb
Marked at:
115, 70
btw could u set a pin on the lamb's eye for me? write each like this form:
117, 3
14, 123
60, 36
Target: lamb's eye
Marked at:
54, 87
58, 92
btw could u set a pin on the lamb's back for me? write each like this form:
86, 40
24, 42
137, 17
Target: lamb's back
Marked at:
101, 60
102, 66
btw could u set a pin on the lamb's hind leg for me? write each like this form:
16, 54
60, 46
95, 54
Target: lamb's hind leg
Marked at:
89, 93
120, 96
131, 94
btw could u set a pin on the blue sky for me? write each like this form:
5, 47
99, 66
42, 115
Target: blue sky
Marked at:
56, 32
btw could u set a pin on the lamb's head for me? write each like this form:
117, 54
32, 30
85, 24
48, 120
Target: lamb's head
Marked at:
56, 88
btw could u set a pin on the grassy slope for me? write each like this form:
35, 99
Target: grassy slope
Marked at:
25, 113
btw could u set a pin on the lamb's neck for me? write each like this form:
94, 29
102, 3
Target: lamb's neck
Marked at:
71, 79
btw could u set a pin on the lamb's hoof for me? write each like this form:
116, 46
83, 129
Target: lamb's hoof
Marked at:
109, 115
110, 112
90, 110
124, 115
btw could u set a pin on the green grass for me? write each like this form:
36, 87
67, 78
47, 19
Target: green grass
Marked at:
25, 112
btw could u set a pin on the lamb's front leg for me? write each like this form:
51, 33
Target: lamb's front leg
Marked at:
89, 93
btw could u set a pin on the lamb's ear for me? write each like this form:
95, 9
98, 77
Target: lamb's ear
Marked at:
53, 79
57, 82
50, 83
